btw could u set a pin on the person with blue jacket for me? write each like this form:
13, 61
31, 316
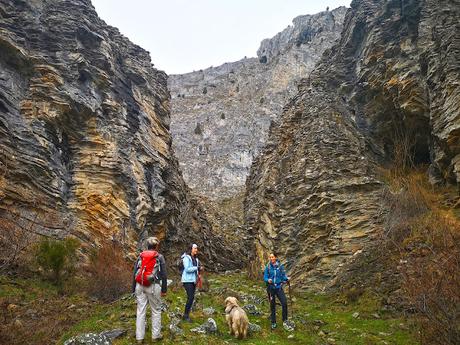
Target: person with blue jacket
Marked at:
275, 277
189, 279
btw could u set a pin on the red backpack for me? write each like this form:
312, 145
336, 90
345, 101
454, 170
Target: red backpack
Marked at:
149, 269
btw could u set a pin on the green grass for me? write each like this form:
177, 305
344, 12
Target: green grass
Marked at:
320, 319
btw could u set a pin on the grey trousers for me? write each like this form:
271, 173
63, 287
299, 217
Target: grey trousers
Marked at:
148, 295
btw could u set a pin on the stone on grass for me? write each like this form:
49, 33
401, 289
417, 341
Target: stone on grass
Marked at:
319, 322
355, 315
89, 339
114, 333
252, 309
209, 311
164, 306
175, 329
103, 338
253, 328
289, 325
208, 327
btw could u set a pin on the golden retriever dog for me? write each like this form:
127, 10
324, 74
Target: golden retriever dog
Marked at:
236, 317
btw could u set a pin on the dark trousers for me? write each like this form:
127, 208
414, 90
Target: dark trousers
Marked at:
282, 298
190, 289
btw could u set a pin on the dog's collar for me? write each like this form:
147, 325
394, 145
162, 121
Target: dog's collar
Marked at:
231, 309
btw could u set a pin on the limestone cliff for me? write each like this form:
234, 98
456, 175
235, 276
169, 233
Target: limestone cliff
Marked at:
314, 193
85, 146
221, 115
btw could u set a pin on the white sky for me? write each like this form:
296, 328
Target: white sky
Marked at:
187, 35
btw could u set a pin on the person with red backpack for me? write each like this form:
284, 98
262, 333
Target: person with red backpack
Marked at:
149, 285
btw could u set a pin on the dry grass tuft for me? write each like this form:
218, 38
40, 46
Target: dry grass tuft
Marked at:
110, 274
425, 232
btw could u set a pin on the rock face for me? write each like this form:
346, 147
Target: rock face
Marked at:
221, 116
392, 79
85, 146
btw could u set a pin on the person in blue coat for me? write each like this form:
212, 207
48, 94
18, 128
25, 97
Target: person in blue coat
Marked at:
192, 267
275, 277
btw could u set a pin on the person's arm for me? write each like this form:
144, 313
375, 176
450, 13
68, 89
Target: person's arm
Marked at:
136, 266
163, 274
188, 265
266, 277
199, 265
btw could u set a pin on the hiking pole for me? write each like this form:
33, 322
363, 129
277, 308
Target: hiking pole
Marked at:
269, 296
290, 297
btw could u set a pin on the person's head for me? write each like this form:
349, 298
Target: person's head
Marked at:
194, 249
273, 257
152, 243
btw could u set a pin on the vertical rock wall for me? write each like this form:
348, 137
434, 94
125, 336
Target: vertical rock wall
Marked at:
85, 146
314, 193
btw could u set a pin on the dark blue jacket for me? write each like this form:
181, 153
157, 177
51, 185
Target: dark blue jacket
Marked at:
276, 273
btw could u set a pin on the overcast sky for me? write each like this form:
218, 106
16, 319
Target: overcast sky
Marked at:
187, 35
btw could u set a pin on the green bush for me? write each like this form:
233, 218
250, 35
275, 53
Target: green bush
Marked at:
57, 258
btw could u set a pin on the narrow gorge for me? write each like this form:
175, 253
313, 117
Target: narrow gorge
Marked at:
220, 116
87, 137
337, 147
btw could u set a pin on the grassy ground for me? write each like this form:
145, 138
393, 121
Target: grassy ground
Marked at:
320, 319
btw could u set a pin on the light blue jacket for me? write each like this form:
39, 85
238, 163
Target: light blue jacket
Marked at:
190, 272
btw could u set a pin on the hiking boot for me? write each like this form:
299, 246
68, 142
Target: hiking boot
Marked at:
273, 325
186, 318
141, 341
157, 339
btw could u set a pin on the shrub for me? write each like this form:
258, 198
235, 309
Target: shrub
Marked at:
14, 240
57, 258
426, 235
110, 274
432, 276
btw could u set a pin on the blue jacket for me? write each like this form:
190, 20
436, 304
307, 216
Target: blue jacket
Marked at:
276, 273
190, 272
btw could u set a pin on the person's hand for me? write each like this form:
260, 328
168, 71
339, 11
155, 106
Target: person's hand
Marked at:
201, 268
163, 294
270, 281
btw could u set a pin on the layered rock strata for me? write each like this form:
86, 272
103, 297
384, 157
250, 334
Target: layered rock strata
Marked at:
221, 115
390, 83
85, 147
